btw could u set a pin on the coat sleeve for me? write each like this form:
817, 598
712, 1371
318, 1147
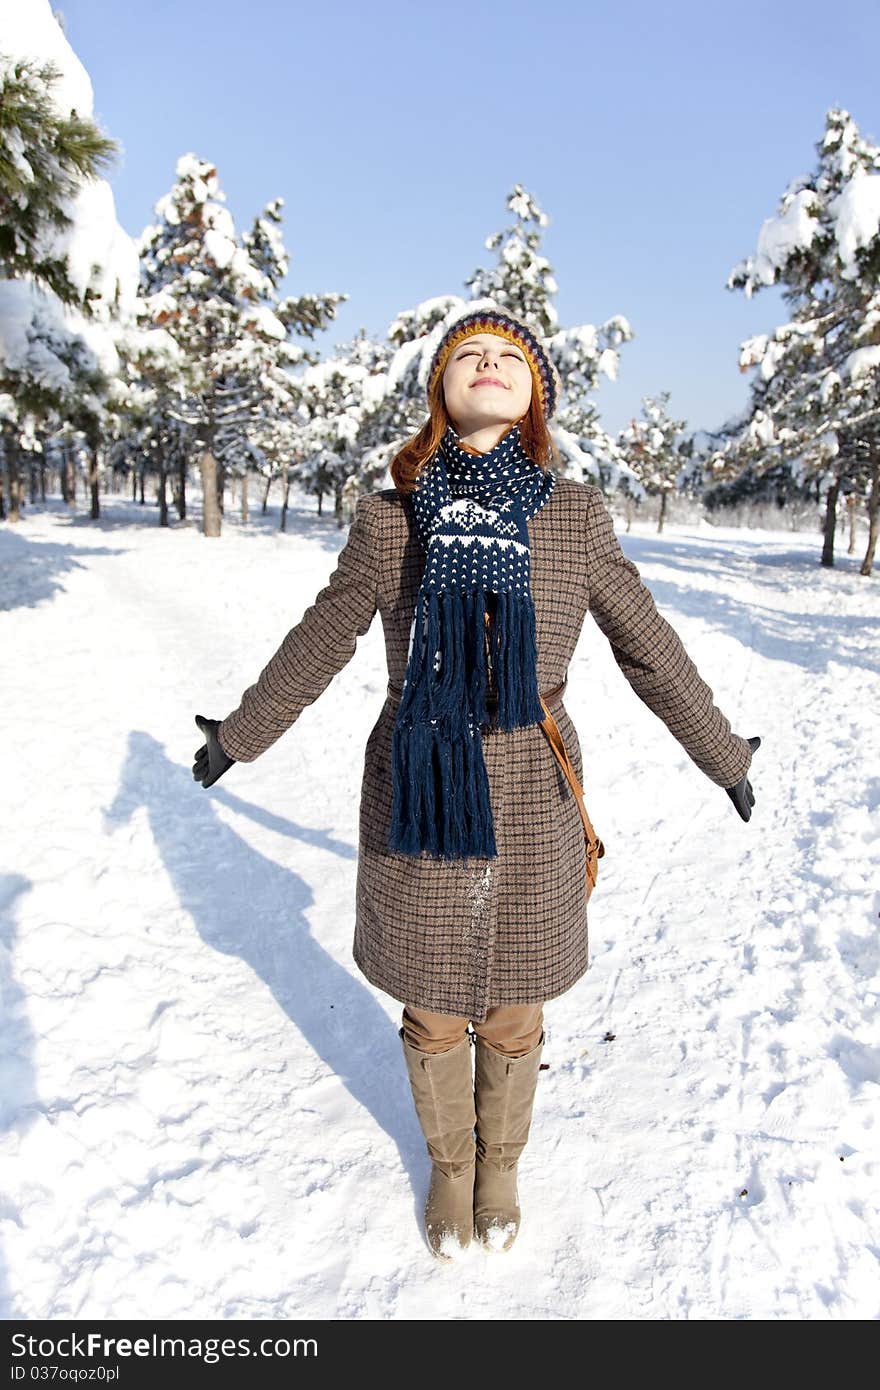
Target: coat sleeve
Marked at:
322, 642
650, 654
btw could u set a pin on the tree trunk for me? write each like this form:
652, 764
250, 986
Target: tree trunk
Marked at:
94, 499
663, 497
69, 488
244, 496
181, 490
873, 516
32, 476
285, 493
852, 506
134, 485
210, 498
221, 488
14, 478
160, 494
142, 473
266, 495
830, 523
42, 477
629, 513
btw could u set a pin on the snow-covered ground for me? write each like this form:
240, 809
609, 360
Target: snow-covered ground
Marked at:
203, 1104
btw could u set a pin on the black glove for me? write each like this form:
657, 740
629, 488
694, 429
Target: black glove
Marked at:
742, 795
211, 762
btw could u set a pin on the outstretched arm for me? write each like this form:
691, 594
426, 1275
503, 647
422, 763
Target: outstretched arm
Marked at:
323, 641
650, 654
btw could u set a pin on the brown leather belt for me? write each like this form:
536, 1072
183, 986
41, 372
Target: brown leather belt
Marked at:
548, 696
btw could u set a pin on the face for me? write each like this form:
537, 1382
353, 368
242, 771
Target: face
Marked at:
487, 383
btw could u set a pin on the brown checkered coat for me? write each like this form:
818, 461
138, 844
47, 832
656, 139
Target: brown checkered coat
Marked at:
459, 937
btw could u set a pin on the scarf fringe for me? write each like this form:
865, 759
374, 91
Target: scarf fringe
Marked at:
440, 799
514, 662
440, 786
433, 769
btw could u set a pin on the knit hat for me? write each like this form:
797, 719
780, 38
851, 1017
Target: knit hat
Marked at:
544, 374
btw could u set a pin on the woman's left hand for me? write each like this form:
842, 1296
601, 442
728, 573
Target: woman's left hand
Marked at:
742, 795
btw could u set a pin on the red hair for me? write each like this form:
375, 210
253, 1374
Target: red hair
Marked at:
409, 461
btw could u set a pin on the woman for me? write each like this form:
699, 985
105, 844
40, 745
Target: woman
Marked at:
470, 895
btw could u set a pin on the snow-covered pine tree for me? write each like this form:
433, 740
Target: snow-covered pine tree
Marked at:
656, 450
46, 154
67, 270
711, 477
522, 283
217, 294
412, 336
278, 414
818, 395
148, 438
789, 413
344, 417
369, 363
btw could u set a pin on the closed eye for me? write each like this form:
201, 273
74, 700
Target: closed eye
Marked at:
469, 352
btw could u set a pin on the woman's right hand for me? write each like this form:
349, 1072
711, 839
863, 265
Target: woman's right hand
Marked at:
742, 795
210, 760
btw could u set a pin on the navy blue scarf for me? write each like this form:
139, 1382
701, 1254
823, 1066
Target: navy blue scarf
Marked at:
471, 512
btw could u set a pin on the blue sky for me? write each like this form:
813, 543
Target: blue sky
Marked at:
656, 137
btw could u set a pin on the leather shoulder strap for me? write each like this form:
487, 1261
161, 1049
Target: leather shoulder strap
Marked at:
557, 743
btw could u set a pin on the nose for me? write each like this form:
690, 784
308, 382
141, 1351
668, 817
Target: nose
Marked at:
491, 356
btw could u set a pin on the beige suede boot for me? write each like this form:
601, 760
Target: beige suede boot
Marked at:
505, 1094
443, 1091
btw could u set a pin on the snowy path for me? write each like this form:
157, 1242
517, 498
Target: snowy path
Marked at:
203, 1107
